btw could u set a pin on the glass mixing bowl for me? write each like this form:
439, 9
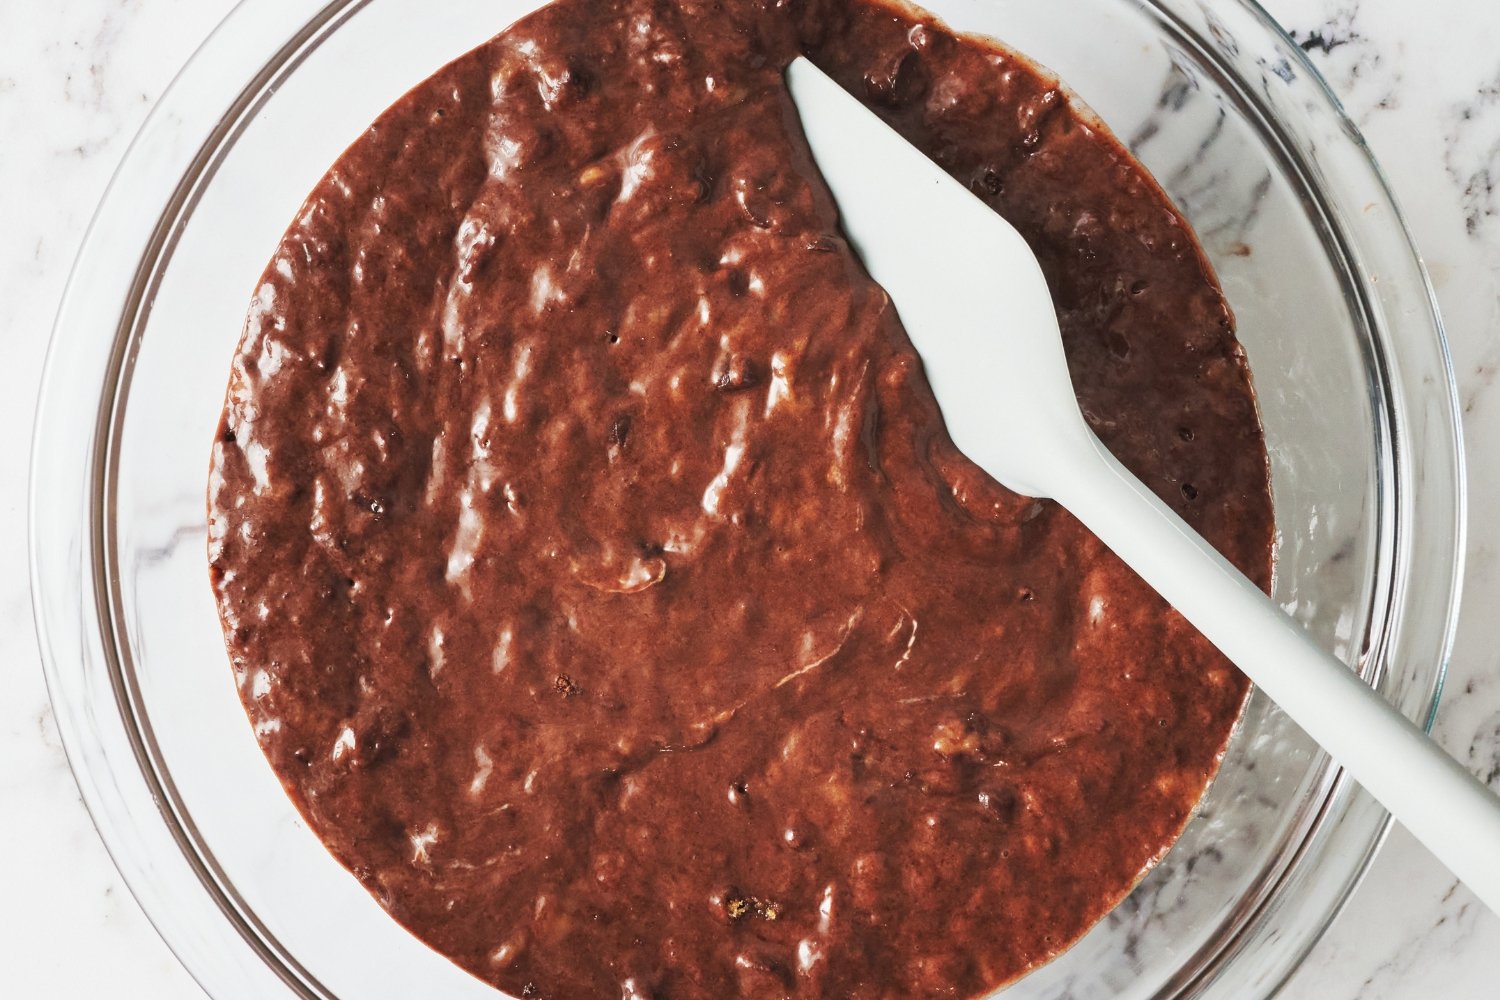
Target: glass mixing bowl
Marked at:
1334, 311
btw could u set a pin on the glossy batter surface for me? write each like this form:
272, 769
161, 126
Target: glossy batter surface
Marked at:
597, 572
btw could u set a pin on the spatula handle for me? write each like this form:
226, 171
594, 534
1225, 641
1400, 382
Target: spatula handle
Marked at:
1441, 803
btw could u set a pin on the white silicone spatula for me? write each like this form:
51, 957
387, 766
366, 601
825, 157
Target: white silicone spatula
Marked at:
976, 306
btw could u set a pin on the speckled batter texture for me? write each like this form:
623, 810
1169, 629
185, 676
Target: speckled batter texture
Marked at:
597, 572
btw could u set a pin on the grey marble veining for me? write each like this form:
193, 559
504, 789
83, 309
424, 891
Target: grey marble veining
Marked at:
76, 78
1420, 80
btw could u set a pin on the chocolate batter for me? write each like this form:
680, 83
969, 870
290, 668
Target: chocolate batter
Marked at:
596, 570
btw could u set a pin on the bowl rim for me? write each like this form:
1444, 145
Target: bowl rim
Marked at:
74, 567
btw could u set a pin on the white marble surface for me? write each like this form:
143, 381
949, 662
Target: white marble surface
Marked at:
77, 77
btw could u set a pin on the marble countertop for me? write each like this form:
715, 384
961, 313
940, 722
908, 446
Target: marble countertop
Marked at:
77, 78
